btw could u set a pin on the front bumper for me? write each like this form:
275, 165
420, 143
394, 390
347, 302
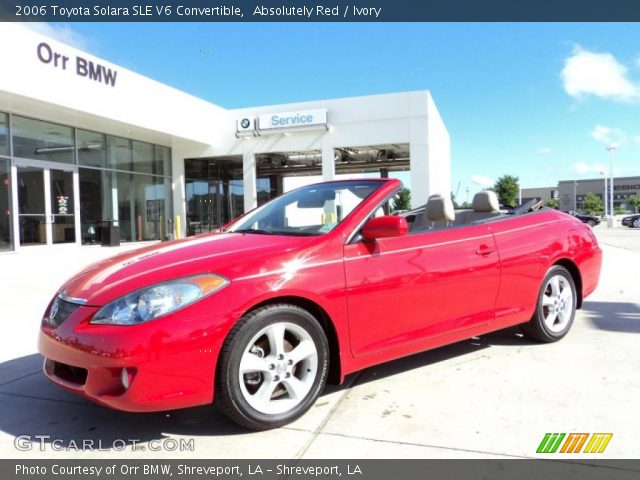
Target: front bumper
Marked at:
170, 361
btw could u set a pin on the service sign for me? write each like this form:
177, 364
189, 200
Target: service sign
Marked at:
293, 120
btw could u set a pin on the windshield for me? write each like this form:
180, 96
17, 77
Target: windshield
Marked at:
311, 210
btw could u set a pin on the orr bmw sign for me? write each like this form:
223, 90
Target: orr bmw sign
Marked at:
301, 120
81, 66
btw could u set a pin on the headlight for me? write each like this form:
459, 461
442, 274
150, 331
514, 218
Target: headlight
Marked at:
158, 300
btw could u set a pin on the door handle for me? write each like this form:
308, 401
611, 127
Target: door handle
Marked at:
484, 250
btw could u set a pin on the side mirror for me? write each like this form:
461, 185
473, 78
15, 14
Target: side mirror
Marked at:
384, 227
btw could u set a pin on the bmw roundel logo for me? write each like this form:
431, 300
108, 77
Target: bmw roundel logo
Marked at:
244, 123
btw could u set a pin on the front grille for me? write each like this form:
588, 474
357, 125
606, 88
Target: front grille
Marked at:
59, 312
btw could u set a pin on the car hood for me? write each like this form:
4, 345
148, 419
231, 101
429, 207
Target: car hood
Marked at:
231, 255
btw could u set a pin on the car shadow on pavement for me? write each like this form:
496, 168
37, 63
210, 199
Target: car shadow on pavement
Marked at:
621, 317
32, 406
464, 351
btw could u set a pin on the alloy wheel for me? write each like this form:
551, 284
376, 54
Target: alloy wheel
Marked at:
557, 303
278, 368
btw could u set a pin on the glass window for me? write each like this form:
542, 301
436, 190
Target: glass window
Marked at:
199, 206
311, 210
119, 153
123, 199
42, 140
4, 134
96, 202
164, 194
92, 149
6, 237
162, 161
142, 157
152, 200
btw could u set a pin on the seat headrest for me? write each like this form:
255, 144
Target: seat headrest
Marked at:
485, 201
439, 208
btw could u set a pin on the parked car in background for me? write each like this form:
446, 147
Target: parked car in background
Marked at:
311, 286
590, 220
632, 221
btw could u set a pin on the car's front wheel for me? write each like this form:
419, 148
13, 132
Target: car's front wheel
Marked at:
272, 367
636, 223
555, 309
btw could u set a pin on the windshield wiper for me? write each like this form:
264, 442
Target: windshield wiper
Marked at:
253, 230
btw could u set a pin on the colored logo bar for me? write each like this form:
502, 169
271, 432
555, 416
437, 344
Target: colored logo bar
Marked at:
574, 442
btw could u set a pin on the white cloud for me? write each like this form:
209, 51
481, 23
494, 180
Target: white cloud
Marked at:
600, 74
482, 180
608, 135
637, 139
62, 33
584, 168
544, 151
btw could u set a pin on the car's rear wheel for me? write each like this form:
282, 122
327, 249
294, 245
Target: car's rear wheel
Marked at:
636, 223
272, 367
556, 307
591, 223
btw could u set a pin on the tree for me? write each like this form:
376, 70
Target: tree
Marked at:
634, 202
507, 189
552, 203
592, 204
402, 201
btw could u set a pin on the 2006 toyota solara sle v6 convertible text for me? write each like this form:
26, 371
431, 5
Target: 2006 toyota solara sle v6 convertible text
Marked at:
312, 286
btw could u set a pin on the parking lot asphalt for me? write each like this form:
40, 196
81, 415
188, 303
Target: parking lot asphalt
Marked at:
489, 397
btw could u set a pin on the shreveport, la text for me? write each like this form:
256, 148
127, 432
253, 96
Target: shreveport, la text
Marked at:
190, 471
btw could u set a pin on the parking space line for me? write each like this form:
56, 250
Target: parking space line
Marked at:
33, 397
318, 430
20, 378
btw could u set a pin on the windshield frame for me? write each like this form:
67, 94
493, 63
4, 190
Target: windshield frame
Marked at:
242, 223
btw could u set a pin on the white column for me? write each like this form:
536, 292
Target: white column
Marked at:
419, 177
328, 162
249, 176
15, 208
76, 206
178, 189
421, 184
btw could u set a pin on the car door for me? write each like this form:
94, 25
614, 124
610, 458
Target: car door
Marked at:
406, 289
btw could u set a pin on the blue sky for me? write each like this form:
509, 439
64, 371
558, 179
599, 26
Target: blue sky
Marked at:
539, 101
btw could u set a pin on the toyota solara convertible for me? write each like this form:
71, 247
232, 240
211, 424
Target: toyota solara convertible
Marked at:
312, 286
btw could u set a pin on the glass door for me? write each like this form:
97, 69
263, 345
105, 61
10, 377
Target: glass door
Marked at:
46, 204
32, 216
63, 223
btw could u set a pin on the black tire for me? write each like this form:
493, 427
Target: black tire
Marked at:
591, 223
636, 223
233, 399
537, 328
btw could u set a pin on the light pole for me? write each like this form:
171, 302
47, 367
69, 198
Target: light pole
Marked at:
611, 220
604, 192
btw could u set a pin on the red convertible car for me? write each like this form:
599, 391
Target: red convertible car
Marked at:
312, 286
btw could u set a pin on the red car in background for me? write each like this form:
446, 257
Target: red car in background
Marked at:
314, 285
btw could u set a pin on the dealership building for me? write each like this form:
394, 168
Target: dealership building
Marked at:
571, 193
85, 144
